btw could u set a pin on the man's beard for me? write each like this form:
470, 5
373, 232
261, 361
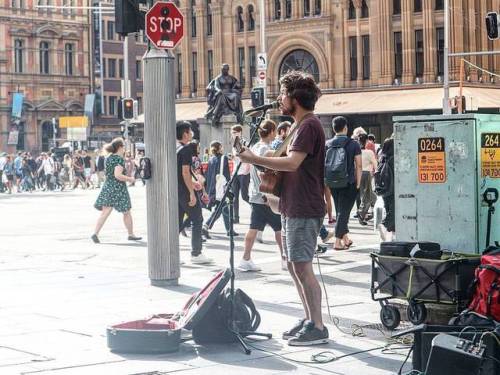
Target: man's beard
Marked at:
289, 111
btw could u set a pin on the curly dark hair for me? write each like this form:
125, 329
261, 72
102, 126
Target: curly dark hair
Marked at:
301, 87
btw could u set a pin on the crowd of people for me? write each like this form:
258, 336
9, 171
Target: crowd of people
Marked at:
51, 171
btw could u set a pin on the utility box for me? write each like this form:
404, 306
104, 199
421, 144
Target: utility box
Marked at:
443, 166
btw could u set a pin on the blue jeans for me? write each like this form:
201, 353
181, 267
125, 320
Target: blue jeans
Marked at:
225, 215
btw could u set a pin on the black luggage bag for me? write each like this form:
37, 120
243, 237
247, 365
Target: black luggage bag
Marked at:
404, 248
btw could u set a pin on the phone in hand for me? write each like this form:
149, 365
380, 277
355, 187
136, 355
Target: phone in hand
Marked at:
237, 145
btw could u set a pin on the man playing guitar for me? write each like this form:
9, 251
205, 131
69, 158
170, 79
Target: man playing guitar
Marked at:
301, 199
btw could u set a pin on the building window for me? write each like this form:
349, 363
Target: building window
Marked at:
111, 68
112, 105
252, 58
352, 11
68, 57
300, 60
398, 55
417, 5
19, 55
365, 12
419, 53
439, 4
193, 19
138, 69
251, 19
111, 30
139, 104
440, 50
353, 57
396, 6
307, 8
209, 17
288, 8
240, 25
277, 9
120, 68
210, 63
179, 73
366, 56
103, 67
241, 66
44, 58
317, 7
195, 72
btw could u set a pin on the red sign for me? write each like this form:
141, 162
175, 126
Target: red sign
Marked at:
262, 75
164, 25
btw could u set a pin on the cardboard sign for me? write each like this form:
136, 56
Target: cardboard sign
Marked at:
490, 155
431, 161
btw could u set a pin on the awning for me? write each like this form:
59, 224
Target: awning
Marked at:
190, 111
410, 100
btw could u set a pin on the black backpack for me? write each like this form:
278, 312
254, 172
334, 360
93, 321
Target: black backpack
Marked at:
384, 177
214, 327
336, 171
145, 168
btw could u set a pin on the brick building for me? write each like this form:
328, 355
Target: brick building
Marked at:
44, 55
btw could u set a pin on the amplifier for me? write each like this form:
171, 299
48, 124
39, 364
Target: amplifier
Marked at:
454, 355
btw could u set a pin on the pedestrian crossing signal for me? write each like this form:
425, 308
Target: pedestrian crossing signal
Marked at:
492, 25
129, 108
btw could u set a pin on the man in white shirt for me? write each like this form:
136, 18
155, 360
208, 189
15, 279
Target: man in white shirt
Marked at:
48, 169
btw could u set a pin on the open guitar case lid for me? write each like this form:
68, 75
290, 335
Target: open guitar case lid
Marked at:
161, 333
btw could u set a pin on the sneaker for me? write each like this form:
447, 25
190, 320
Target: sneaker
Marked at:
328, 237
95, 238
134, 238
248, 265
259, 237
309, 335
361, 221
200, 259
294, 330
234, 234
205, 233
183, 233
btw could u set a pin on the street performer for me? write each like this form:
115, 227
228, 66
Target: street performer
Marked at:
302, 204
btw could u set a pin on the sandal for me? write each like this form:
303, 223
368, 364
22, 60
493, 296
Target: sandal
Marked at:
349, 244
341, 248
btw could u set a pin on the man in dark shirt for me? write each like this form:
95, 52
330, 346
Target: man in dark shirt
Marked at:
344, 198
302, 203
188, 202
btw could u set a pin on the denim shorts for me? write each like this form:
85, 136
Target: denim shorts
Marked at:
300, 236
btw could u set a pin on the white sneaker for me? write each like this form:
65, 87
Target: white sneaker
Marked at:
200, 259
248, 265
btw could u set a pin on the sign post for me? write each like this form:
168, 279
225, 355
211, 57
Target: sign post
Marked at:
164, 28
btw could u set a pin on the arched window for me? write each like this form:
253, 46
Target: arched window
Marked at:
307, 8
251, 19
47, 134
240, 24
317, 7
209, 17
365, 13
288, 8
68, 58
44, 58
300, 60
277, 9
352, 10
19, 55
193, 19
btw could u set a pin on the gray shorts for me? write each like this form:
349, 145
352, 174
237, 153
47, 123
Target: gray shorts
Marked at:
300, 236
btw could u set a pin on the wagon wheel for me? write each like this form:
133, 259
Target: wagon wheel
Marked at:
390, 317
417, 313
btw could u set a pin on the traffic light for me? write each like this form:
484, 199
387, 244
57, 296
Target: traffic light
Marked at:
257, 96
129, 109
128, 17
492, 25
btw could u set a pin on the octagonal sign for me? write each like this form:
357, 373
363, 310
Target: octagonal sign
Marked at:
164, 25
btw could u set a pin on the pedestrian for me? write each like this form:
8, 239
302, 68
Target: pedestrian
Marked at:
302, 202
387, 228
188, 202
78, 171
262, 214
47, 166
27, 181
345, 196
206, 155
243, 177
366, 194
3, 161
66, 171
129, 166
18, 161
218, 170
283, 130
100, 168
9, 172
114, 193
87, 169
137, 166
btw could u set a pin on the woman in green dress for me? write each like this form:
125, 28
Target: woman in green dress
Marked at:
114, 193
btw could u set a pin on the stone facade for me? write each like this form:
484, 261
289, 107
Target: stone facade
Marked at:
44, 54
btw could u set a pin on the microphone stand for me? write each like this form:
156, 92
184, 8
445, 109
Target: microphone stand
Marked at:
228, 199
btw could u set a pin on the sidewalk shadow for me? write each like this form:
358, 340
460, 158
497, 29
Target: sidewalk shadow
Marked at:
127, 244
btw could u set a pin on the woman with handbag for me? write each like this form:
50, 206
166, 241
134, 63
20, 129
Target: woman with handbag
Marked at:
217, 177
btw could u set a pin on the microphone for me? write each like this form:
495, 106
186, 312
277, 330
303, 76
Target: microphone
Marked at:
265, 107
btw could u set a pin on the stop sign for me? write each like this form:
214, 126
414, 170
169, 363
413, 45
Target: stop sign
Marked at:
262, 75
164, 25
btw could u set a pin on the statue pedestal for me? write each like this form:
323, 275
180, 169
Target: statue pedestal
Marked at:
221, 133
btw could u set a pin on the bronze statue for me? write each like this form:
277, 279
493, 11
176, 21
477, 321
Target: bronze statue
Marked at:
224, 97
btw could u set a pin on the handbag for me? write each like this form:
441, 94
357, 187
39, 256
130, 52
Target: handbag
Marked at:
220, 181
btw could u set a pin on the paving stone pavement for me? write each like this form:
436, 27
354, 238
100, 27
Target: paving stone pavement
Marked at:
60, 291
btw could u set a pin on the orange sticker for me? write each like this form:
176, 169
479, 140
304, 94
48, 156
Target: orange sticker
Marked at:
490, 155
431, 161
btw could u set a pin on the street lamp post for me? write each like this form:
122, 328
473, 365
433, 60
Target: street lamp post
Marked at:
446, 80
262, 14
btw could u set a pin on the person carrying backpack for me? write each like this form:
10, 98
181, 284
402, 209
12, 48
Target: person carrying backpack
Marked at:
384, 187
343, 169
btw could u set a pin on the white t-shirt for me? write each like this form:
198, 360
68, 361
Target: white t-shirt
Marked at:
368, 160
48, 166
3, 161
254, 194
